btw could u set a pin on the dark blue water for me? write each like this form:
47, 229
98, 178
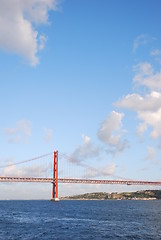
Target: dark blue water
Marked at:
80, 220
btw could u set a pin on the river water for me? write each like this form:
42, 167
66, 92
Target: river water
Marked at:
80, 220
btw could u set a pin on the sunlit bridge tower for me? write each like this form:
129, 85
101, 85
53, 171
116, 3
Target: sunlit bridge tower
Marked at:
55, 178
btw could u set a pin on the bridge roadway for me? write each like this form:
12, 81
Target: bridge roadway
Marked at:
80, 181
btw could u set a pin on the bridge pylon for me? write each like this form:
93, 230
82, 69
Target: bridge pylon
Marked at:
55, 178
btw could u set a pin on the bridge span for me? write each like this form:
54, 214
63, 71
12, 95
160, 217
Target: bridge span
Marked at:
78, 181
17, 175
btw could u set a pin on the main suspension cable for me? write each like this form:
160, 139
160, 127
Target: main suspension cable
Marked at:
29, 160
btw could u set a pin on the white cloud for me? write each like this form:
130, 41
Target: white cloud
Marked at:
18, 21
156, 52
147, 106
109, 131
142, 127
86, 139
11, 171
152, 119
85, 150
20, 133
145, 76
107, 170
148, 110
140, 40
27, 170
48, 135
42, 41
150, 102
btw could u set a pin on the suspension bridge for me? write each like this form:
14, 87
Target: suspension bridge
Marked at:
51, 173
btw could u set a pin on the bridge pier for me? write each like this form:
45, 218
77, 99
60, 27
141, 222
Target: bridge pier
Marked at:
55, 178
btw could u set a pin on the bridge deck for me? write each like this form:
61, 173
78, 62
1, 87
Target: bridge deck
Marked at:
80, 181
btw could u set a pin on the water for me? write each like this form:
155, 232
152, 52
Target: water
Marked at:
80, 220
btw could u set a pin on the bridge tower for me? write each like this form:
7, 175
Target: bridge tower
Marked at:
55, 178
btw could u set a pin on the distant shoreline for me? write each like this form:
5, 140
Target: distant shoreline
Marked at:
145, 195
82, 199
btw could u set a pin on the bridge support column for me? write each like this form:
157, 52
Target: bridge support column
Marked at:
55, 178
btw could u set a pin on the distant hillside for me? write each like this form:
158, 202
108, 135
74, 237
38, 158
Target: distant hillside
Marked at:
139, 195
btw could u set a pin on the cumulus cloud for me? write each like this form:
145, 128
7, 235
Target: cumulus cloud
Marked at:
20, 133
152, 119
48, 135
115, 150
111, 125
147, 106
147, 77
150, 102
18, 22
110, 132
86, 150
148, 110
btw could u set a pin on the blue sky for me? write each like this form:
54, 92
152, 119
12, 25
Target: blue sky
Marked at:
82, 77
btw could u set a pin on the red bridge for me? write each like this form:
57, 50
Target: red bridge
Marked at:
55, 179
